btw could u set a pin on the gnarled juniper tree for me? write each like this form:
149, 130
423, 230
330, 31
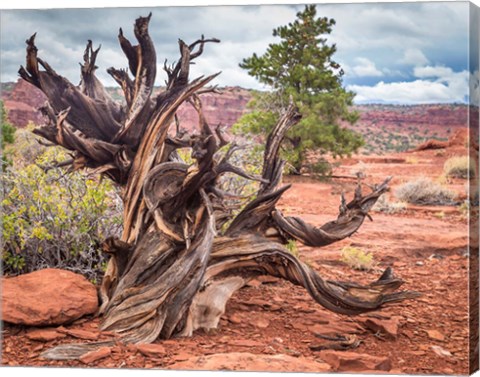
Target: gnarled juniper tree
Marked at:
173, 269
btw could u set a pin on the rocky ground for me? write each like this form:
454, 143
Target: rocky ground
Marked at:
271, 325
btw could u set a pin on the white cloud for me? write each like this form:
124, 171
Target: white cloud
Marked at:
419, 91
433, 72
434, 84
415, 57
475, 88
365, 68
367, 38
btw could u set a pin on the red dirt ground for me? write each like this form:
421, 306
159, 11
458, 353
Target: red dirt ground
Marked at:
426, 247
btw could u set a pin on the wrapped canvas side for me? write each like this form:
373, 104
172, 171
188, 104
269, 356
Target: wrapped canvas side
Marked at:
474, 101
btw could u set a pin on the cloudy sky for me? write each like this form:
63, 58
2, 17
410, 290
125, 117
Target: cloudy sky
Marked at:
391, 52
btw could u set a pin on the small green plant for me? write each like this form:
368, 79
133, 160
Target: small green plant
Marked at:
459, 167
439, 215
424, 191
412, 160
464, 209
357, 258
292, 247
186, 155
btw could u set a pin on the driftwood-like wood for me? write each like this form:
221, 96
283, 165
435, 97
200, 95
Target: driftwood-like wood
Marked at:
177, 263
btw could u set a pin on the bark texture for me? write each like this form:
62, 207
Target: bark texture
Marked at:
177, 263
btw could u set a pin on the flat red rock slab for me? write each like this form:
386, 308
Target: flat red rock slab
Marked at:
47, 297
96, 355
151, 350
44, 335
244, 361
342, 361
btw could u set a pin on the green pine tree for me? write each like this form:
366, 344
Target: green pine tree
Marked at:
301, 66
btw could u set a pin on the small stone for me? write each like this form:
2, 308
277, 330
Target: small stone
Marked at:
277, 299
255, 283
436, 335
261, 323
419, 263
267, 279
83, 334
44, 335
182, 356
235, 318
258, 302
441, 352
96, 355
247, 343
335, 328
274, 308
386, 327
344, 361
300, 326
151, 350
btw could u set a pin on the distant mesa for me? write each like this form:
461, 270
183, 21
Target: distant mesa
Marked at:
385, 128
22, 101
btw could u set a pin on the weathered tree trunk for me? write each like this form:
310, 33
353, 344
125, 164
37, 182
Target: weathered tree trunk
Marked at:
173, 269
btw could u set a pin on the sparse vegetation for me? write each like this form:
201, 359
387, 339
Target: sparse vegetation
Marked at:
292, 247
7, 136
440, 215
424, 191
54, 219
357, 258
412, 160
384, 205
458, 167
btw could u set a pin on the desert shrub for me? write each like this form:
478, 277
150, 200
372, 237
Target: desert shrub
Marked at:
54, 219
464, 209
292, 247
384, 205
458, 167
424, 191
321, 168
412, 160
186, 155
357, 258
7, 136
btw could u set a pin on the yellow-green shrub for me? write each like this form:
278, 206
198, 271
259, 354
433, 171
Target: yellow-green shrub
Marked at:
458, 167
357, 258
54, 219
292, 247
